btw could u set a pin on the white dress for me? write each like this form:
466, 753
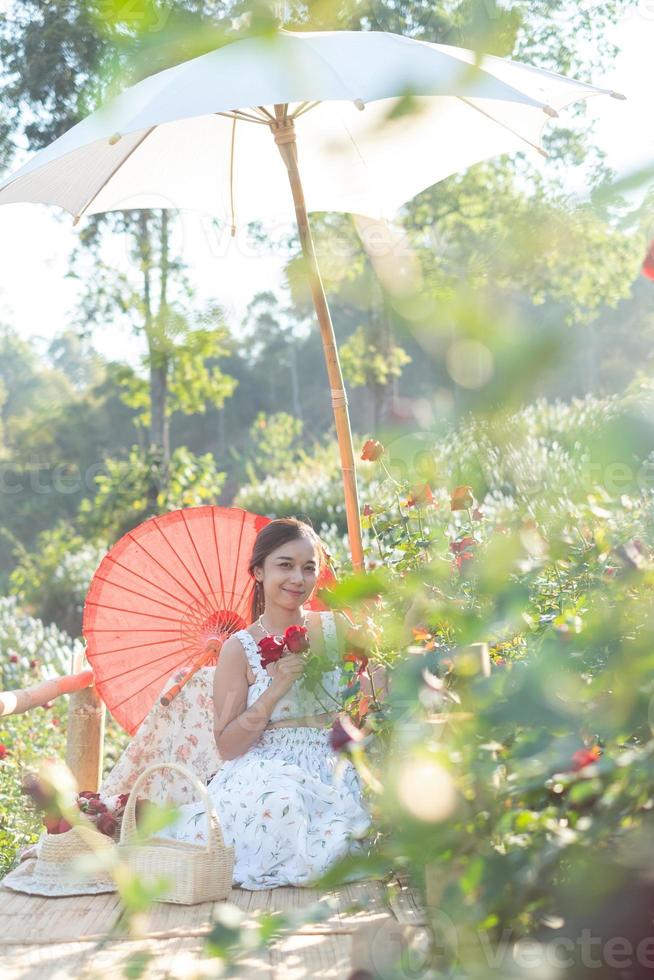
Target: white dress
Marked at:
290, 806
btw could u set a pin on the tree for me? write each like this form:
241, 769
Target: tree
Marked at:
155, 301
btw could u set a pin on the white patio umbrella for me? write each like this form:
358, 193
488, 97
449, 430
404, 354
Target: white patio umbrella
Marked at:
211, 134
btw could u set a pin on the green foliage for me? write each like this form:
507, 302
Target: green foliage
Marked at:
52, 582
275, 444
363, 363
121, 501
29, 652
192, 383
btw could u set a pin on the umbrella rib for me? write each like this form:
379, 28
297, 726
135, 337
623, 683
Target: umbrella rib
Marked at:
179, 557
240, 540
266, 113
135, 612
215, 541
509, 129
195, 549
140, 629
158, 660
159, 602
235, 114
163, 673
304, 107
157, 562
117, 167
132, 646
148, 581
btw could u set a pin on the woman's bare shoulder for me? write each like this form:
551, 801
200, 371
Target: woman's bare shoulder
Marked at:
232, 652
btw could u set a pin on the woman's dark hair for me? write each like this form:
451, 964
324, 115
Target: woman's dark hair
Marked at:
271, 537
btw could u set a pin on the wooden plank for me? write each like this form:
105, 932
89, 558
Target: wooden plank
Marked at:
39, 962
321, 957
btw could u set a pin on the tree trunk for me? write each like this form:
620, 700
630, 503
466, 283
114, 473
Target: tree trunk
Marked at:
295, 384
155, 334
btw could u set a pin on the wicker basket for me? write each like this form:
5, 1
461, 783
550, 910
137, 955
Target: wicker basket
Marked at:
196, 873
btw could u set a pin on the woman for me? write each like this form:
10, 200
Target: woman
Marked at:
282, 803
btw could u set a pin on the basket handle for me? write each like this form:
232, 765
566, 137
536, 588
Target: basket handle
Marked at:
128, 826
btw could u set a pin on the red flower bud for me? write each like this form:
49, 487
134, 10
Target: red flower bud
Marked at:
462, 498
106, 824
4, 751
344, 733
585, 757
648, 262
368, 511
372, 450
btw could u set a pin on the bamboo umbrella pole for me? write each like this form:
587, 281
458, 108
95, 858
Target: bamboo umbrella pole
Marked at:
283, 129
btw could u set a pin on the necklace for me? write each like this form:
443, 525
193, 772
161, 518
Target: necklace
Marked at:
268, 633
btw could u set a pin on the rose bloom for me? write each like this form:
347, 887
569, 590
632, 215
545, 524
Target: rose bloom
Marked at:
372, 450
462, 498
271, 650
297, 639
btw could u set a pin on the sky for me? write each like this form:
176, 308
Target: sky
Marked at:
36, 241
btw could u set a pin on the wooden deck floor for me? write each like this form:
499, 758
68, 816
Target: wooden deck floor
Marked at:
368, 926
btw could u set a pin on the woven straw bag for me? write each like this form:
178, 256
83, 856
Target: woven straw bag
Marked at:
195, 872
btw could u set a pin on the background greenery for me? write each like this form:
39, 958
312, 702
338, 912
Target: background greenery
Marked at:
503, 358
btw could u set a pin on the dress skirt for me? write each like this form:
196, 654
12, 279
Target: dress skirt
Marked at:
289, 806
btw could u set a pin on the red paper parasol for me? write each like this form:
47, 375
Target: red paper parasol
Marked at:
166, 597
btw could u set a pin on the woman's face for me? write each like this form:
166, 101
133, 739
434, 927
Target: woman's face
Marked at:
289, 573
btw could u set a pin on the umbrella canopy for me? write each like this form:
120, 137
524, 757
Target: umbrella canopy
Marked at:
199, 136
164, 142
166, 597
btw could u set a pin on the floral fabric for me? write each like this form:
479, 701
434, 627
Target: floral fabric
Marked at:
289, 806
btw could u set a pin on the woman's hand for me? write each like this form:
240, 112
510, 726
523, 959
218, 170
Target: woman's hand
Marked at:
288, 669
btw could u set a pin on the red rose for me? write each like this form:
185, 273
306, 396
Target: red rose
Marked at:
297, 639
106, 824
4, 751
420, 495
56, 825
344, 733
372, 450
271, 648
585, 757
96, 806
462, 498
13, 658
